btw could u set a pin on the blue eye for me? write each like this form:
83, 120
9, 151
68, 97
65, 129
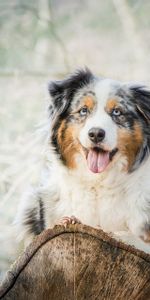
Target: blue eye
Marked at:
116, 112
83, 111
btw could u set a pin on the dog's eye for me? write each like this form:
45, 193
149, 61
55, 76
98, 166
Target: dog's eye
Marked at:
83, 111
116, 112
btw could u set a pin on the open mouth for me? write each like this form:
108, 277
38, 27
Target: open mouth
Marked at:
98, 159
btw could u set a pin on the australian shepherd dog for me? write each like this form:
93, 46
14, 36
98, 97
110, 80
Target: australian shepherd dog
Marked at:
98, 160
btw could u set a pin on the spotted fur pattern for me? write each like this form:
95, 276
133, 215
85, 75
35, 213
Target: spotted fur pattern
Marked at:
116, 199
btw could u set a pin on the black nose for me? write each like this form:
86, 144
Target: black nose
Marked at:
96, 135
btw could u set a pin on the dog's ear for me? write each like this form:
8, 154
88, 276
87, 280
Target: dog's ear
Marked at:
57, 92
62, 92
141, 97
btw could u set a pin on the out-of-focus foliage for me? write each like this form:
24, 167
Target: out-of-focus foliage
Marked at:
45, 39
112, 37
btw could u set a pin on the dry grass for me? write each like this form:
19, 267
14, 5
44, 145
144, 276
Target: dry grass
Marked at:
22, 107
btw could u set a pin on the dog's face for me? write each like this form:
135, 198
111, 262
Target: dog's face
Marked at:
99, 119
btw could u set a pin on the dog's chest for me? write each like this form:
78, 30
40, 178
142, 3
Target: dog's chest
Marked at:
113, 210
79, 200
93, 205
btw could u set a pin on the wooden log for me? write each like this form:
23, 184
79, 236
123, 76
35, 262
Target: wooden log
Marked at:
76, 263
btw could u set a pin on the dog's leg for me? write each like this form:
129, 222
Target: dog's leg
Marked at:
145, 233
130, 239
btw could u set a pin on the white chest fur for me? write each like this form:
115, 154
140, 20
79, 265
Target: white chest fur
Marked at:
95, 206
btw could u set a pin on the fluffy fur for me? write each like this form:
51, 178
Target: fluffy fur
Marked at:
98, 160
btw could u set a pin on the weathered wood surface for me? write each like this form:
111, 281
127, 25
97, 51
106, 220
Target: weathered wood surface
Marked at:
78, 263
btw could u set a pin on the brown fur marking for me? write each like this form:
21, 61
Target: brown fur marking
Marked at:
67, 136
89, 102
129, 142
111, 104
67, 139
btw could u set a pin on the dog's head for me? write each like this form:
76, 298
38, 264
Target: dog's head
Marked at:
98, 119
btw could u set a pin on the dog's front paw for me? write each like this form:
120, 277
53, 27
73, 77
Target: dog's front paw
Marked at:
68, 220
145, 235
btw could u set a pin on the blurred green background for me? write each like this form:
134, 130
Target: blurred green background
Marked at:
42, 40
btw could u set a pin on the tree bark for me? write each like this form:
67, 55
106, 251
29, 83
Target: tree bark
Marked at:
76, 263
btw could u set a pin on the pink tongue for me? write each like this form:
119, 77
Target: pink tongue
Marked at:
97, 161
